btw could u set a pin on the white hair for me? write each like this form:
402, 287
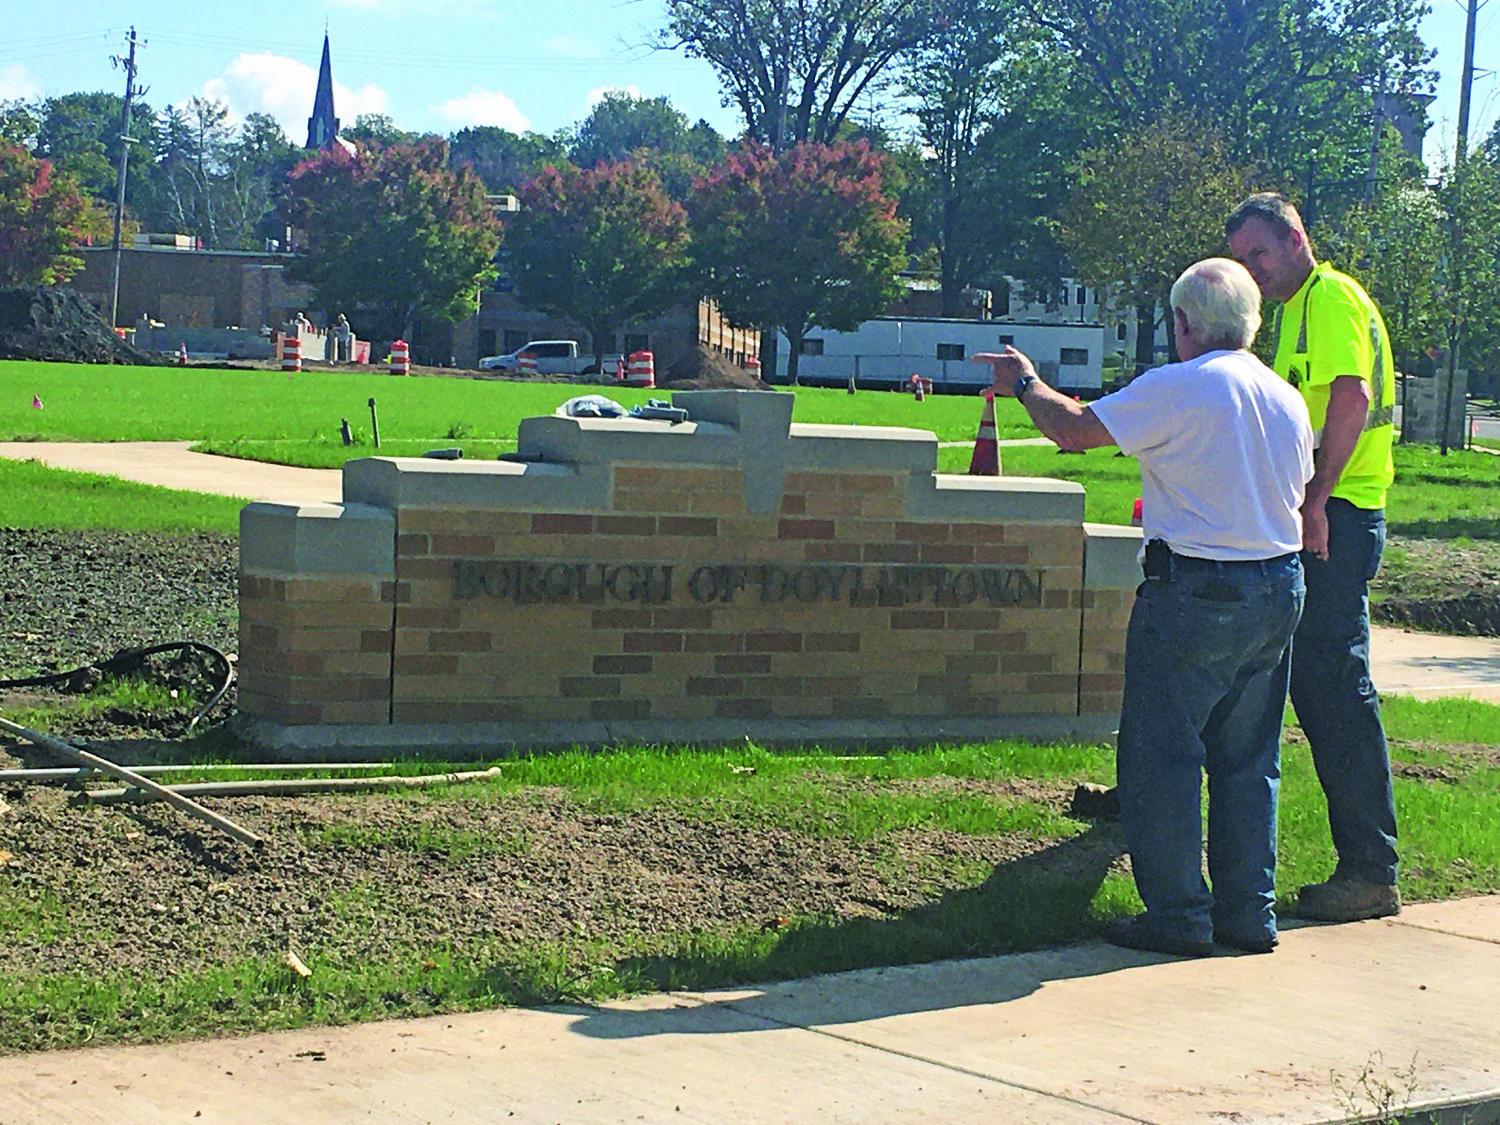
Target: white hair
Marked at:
1221, 302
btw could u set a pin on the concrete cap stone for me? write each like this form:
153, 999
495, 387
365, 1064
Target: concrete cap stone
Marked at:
422, 482
1111, 557
950, 496
318, 539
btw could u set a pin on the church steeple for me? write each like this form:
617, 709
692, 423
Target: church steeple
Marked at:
323, 126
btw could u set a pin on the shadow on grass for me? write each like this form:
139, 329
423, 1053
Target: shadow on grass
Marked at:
1042, 901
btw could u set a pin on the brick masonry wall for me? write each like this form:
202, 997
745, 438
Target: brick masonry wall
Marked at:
315, 649
735, 640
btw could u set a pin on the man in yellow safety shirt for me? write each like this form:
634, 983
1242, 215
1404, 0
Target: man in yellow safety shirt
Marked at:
1332, 345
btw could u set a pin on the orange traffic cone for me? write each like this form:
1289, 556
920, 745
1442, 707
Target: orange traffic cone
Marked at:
182, 354
986, 459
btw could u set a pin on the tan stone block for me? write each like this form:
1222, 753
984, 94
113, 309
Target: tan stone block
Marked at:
368, 713
371, 664
810, 484
324, 591
319, 640
872, 484
634, 502
891, 554
824, 505
423, 665
426, 711
426, 569
728, 503
456, 688
493, 523
883, 507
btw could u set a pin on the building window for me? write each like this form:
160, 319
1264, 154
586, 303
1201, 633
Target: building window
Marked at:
1120, 331
1073, 357
636, 342
1082, 296
1004, 340
486, 341
1001, 306
812, 346
950, 351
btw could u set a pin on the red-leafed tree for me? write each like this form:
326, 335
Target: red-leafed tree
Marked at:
800, 239
392, 233
44, 217
603, 246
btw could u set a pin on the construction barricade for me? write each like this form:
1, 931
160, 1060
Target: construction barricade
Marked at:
400, 357
291, 354
642, 369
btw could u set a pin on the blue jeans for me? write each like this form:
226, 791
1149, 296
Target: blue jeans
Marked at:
1206, 665
1335, 701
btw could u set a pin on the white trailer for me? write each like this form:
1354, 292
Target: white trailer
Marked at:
888, 351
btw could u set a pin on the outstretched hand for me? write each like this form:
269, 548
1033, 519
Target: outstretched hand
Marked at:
1007, 366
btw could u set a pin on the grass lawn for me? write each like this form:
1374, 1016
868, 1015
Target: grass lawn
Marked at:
1067, 882
265, 414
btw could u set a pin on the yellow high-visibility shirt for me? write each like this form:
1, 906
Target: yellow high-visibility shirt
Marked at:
1330, 328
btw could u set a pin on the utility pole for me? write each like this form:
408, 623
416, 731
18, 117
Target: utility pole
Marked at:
125, 142
1460, 162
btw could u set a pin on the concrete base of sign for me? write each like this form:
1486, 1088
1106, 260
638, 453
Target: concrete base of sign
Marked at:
737, 576
338, 742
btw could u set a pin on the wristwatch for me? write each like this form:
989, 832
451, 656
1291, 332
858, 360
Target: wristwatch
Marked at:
1023, 384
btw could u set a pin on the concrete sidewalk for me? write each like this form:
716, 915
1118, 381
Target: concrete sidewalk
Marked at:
1341, 1023
173, 464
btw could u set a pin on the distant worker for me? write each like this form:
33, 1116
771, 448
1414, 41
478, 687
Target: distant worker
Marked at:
1225, 451
1333, 347
343, 338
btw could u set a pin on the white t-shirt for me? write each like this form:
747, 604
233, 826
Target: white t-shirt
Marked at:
1225, 450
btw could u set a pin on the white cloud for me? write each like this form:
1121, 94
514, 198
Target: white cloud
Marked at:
485, 107
16, 82
284, 88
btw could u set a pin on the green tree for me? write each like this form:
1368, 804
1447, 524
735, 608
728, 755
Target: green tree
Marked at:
44, 216
18, 122
1395, 243
1285, 82
502, 159
1001, 115
800, 239
796, 68
1146, 208
392, 233
622, 124
603, 246
379, 129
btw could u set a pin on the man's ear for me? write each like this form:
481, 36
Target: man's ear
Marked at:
1181, 323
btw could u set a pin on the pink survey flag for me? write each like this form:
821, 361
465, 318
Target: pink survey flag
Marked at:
36, 401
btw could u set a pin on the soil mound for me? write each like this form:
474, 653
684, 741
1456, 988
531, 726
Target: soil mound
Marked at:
58, 325
1471, 615
704, 370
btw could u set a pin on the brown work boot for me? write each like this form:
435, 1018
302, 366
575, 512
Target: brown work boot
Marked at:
1347, 900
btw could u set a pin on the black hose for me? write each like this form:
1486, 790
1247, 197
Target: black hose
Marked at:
129, 659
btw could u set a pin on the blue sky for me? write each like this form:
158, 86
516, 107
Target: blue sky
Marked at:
439, 65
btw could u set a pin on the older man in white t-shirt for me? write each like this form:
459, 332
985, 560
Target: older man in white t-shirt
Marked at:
1225, 451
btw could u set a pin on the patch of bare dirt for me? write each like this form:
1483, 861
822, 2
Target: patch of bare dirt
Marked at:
352, 878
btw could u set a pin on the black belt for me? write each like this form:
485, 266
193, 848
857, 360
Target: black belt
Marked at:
1160, 562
